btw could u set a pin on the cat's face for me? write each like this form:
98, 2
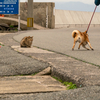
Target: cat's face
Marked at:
30, 39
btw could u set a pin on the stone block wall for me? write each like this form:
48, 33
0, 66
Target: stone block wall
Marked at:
39, 13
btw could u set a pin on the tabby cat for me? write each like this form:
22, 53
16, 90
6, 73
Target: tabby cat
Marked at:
26, 42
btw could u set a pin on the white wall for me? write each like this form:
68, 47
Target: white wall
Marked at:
65, 18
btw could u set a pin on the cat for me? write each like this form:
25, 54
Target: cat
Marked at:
26, 42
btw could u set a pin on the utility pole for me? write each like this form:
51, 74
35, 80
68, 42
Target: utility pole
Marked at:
30, 15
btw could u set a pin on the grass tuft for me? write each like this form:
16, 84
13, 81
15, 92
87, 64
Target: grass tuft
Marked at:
69, 85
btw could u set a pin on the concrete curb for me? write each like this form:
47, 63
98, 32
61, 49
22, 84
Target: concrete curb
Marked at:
66, 68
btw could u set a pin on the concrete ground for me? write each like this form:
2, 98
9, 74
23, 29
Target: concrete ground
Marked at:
29, 84
84, 75
13, 64
65, 68
60, 40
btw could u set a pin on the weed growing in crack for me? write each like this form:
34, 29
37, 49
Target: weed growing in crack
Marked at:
69, 85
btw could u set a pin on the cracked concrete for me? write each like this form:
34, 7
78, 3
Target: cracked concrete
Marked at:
66, 68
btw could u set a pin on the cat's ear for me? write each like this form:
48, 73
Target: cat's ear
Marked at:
28, 36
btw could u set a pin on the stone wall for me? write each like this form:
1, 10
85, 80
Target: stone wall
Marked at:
39, 13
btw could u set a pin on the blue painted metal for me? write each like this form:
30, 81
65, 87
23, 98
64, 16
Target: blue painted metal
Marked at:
9, 6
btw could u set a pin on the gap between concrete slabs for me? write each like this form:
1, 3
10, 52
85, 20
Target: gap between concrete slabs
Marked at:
66, 68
